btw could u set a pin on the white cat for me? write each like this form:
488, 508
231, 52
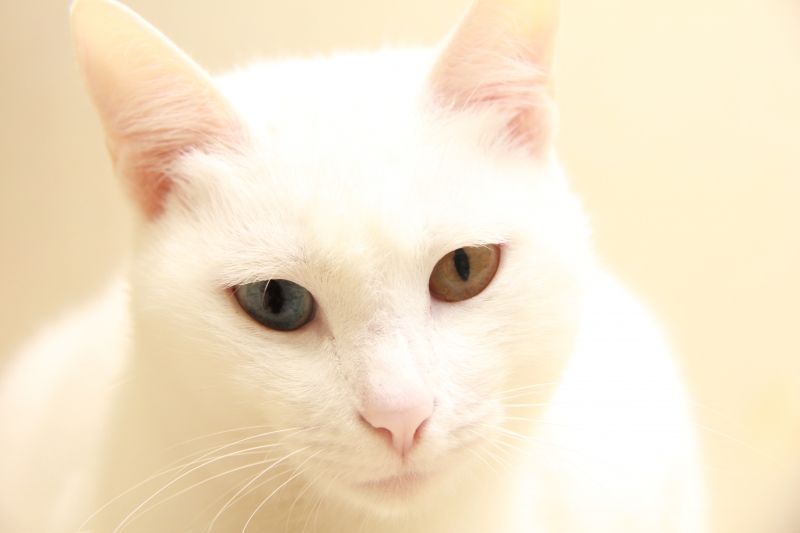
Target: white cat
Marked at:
362, 299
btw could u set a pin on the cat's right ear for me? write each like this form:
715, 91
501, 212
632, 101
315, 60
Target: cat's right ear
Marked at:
154, 102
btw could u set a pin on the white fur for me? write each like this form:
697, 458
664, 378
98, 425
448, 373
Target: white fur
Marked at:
354, 187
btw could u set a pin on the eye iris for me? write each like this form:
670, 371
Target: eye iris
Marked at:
464, 273
277, 303
461, 261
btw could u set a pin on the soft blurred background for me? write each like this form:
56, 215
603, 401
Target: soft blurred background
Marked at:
680, 127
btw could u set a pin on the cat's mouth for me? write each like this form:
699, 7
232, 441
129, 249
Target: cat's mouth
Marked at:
398, 485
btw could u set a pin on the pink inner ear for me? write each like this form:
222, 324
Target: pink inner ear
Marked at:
534, 127
144, 140
150, 189
146, 169
148, 180
501, 56
517, 90
154, 101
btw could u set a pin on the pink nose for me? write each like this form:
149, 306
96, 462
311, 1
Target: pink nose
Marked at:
402, 424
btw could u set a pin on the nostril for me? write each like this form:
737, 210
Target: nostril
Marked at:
419, 429
384, 432
402, 425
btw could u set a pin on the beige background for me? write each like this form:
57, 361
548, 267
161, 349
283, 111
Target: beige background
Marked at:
680, 126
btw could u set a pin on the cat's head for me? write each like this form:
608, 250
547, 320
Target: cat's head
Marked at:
425, 253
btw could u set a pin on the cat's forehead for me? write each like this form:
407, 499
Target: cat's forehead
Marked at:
356, 91
361, 125
353, 167
364, 192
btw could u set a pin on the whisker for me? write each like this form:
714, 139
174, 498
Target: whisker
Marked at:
510, 467
300, 495
171, 470
213, 460
476, 454
138, 511
231, 500
239, 494
244, 529
502, 394
318, 505
717, 413
223, 433
740, 442
261, 435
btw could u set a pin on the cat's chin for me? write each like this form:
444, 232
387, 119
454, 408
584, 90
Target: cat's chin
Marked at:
402, 492
412, 487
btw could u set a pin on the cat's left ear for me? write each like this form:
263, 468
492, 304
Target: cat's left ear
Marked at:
500, 57
154, 102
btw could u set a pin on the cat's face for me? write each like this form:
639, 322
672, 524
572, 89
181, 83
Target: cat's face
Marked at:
360, 224
356, 203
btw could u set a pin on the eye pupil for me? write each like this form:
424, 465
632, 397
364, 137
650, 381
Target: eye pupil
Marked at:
273, 297
461, 261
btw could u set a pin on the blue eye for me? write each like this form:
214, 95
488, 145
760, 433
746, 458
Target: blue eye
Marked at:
277, 303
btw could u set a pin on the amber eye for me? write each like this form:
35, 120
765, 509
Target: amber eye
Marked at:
464, 273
